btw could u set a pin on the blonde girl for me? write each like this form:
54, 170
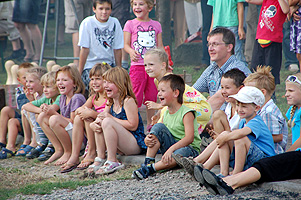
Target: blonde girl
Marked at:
84, 115
58, 127
119, 128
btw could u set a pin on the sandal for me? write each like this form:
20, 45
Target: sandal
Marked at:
109, 167
5, 153
93, 168
69, 167
23, 152
2, 145
84, 164
46, 154
34, 153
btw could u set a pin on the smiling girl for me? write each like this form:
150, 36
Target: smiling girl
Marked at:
58, 127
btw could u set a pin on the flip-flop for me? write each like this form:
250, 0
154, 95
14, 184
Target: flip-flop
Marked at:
86, 163
70, 166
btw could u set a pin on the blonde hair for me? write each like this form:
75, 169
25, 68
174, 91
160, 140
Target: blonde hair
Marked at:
150, 3
263, 79
162, 55
73, 73
121, 79
291, 122
49, 79
25, 65
98, 70
38, 72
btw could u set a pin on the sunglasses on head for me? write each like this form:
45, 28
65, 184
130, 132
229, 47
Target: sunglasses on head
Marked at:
293, 79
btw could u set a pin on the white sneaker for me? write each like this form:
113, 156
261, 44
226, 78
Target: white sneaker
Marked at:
293, 67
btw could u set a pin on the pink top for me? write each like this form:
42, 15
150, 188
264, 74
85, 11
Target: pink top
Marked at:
144, 36
99, 108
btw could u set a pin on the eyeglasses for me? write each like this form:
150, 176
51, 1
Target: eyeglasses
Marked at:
215, 44
293, 79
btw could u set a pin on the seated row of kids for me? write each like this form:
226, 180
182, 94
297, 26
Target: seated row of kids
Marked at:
251, 128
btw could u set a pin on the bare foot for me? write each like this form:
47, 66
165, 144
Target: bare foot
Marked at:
55, 156
63, 159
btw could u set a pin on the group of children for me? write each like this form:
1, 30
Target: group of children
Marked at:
59, 124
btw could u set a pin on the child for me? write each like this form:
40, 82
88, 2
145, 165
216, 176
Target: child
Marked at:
119, 128
10, 118
58, 127
34, 88
100, 39
268, 45
140, 35
269, 112
242, 147
230, 14
156, 66
51, 98
295, 29
84, 116
281, 167
177, 134
228, 120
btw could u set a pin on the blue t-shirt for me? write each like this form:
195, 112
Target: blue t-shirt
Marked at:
295, 123
260, 136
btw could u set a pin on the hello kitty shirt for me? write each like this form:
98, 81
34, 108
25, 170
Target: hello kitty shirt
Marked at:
143, 36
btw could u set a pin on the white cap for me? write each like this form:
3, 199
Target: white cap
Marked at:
249, 94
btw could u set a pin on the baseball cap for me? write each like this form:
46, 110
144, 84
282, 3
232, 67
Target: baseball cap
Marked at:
249, 94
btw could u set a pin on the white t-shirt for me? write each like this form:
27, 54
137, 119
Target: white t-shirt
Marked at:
101, 39
235, 120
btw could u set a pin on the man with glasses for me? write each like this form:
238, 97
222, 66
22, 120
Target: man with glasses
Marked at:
221, 44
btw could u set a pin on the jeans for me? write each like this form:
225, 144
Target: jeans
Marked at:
207, 15
238, 44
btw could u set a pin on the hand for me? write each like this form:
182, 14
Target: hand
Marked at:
134, 55
241, 34
221, 139
296, 17
153, 105
211, 132
96, 127
166, 158
149, 140
155, 119
46, 108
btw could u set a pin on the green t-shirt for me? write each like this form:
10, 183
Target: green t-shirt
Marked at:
47, 101
224, 12
174, 123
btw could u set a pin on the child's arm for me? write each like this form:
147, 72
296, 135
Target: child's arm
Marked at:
284, 6
29, 96
257, 2
277, 138
31, 108
240, 12
118, 57
211, 26
293, 2
153, 105
160, 41
127, 47
188, 121
234, 135
83, 55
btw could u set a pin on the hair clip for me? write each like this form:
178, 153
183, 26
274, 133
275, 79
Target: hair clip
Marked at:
104, 63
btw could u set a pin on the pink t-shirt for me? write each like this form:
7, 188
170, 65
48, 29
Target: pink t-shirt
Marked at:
144, 36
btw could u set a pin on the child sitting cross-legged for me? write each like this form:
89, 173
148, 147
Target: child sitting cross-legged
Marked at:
177, 134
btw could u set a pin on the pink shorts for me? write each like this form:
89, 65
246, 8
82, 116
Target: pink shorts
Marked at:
142, 85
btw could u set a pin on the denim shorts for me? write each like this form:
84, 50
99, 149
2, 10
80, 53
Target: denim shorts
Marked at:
166, 140
254, 154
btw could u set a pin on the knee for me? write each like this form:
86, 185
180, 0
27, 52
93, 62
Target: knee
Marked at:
41, 118
13, 122
242, 142
6, 110
218, 114
106, 122
20, 26
54, 121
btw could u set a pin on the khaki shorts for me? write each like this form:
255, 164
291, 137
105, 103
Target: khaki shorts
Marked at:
83, 10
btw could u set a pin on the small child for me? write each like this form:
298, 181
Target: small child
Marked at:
140, 35
119, 128
246, 145
269, 112
156, 66
41, 105
84, 116
100, 39
58, 127
177, 134
10, 118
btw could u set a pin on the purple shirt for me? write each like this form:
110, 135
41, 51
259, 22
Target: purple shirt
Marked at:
76, 101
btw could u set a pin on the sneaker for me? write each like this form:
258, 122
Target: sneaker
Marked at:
148, 161
216, 183
17, 54
206, 138
178, 159
293, 68
198, 175
189, 164
143, 172
46, 154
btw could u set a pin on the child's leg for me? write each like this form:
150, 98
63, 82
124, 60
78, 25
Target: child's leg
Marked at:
213, 160
298, 55
57, 123
117, 137
30, 118
91, 154
220, 122
43, 120
6, 114
149, 114
13, 128
242, 147
224, 157
26, 129
203, 157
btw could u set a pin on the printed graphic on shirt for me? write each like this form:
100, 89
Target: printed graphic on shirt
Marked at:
266, 14
146, 40
105, 37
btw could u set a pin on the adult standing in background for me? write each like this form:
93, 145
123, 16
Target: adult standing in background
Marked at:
180, 26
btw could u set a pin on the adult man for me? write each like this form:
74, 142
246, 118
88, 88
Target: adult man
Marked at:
221, 43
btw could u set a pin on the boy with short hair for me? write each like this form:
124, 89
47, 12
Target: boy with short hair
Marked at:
10, 118
270, 113
244, 146
100, 39
177, 134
